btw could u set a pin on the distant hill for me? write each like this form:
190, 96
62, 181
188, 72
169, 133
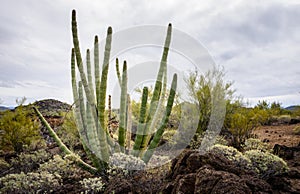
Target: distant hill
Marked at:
293, 108
4, 108
51, 107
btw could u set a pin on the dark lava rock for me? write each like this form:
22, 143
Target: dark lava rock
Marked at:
51, 107
192, 172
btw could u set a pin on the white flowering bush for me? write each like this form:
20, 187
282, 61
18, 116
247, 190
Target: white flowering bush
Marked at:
59, 167
42, 182
128, 162
92, 185
232, 154
266, 164
256, 144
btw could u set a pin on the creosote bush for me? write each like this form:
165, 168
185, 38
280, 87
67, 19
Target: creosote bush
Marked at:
266, 164
17, 129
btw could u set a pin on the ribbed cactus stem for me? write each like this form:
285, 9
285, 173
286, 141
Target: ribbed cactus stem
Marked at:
109, 116
157, 90
89, 94
128, 123
89, 70
157, 136
123, 108
118, 71
140, 127
103, 84
97, 69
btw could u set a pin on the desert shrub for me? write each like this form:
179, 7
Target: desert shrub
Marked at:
266, 164
17, 129
68, 131
256, 144
203, 89
124, 161
92, 185
241, 126
232, 154
296, 130
261, 116
27, 162
42, 182
284, 119
3, 165
196, 142
59, 166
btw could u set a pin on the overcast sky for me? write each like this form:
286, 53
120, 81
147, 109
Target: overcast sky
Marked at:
257, 42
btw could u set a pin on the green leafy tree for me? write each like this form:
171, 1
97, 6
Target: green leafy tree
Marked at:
202, 88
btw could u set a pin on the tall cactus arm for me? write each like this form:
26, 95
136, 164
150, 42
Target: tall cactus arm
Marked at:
153, 144
97, 69
128, 123
89, 94
89, 70
118, 71
140, 128
157, 89
123, 107
62, 146
103, 84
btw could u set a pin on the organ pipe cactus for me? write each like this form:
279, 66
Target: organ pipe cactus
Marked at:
90, 99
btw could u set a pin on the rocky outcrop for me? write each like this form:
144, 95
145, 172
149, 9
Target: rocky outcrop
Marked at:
51, 107
192, 172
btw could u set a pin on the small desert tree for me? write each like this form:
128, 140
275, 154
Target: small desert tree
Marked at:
202, 87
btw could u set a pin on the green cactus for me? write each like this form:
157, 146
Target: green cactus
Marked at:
154, 142
158, 92
123, 107
90, 99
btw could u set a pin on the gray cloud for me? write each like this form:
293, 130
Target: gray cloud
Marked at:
257, 42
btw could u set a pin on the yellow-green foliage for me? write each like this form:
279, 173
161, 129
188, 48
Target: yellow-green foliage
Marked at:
42, 182
261, 116
232, 154
284, 118
296, 130
68, 132
241, 126
266, 164
17, 129
92, 185
256, 144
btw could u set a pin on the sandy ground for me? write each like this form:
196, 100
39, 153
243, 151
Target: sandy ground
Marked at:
282, 134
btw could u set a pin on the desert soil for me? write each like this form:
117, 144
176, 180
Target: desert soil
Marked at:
281, 134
